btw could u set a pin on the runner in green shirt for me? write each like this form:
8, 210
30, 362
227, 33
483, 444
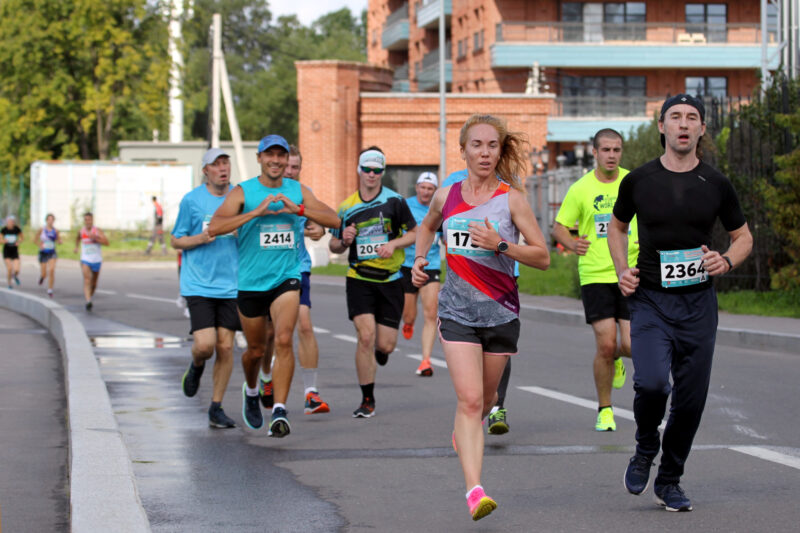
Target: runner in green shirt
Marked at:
589, 203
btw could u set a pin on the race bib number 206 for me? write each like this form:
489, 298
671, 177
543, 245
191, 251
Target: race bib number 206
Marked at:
367, 245
682, 267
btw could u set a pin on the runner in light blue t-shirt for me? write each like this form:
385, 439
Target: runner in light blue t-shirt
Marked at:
427, 183
208, 283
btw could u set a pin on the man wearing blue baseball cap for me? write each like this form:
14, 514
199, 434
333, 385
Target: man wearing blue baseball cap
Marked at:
265, 209
676, 199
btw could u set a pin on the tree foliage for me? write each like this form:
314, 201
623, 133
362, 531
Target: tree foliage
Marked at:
642, 145
260, 58
77, 76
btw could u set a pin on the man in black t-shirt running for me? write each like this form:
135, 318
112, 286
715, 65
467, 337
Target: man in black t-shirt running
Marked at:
676, 199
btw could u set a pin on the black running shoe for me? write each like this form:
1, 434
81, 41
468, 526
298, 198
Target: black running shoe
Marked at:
279, 425
365, 410
265, 393
218, 419
637, 475
672, 498
191, 379
251, 411
88, 306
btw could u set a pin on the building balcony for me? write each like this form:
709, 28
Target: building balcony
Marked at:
633, 45
394, 35
428, 73
576, 118
400, 79
428, 13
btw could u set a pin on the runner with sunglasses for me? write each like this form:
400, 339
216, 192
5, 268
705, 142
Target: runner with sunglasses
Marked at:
373, 220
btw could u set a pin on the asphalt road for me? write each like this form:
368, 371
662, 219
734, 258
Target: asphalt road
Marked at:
397, 471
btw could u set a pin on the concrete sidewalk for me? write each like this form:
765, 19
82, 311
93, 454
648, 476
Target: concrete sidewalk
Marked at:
102, 492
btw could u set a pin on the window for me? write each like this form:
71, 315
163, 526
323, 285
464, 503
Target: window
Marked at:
708, 19
572, 17
772, 23
624, 21
713, 86
603, 95
462, 48
477, 41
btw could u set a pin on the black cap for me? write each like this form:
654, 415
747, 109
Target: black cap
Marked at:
682, 98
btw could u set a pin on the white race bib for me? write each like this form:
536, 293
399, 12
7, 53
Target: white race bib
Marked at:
11, 238
367, 245
90, 252
459, 240
601, 223
48, 245
207, 221
682, 267
277, 236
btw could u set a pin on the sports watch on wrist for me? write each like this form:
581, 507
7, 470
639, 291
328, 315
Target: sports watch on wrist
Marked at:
502, 247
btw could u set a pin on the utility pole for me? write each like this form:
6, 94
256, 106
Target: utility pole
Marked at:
442, 91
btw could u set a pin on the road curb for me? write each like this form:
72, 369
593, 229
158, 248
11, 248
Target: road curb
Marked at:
103, 493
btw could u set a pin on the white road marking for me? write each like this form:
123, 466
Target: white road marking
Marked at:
581, 402
347, 338
435, 361
768, 455
321, 330
750, 432
102, 291
151, 298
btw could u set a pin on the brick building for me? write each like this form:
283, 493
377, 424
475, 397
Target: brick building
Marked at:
584, 65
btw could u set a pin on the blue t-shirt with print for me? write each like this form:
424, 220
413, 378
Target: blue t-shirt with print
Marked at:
434, 258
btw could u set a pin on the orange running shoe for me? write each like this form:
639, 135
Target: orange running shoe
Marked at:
314, 404
408, 330
425, 369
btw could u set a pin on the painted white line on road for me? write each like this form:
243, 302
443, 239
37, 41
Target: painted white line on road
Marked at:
151, 298
435, 361
750, 432
582, 402
103, 291
347, 338
321, 330
769, 455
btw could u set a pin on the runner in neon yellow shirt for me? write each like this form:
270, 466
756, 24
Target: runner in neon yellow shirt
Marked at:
589, 203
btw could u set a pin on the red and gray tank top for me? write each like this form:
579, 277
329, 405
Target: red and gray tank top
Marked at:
480, 289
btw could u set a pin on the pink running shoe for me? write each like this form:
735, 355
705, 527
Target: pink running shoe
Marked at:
479, 503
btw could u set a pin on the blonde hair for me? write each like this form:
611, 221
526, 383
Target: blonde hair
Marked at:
513, 155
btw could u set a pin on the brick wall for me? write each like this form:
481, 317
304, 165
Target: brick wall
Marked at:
340, 113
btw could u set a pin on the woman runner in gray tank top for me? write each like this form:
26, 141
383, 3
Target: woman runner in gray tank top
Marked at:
482, 218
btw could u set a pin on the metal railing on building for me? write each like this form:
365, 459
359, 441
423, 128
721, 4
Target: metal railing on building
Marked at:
604, 106
397, 15
656, 32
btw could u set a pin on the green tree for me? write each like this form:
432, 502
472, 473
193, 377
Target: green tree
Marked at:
642, 145
77, 75
260, 56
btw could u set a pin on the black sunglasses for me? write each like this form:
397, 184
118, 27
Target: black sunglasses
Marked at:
376, 171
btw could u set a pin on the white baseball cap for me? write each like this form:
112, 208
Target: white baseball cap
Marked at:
212, 154
428, 177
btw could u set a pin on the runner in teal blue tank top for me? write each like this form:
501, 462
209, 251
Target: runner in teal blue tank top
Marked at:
265, 211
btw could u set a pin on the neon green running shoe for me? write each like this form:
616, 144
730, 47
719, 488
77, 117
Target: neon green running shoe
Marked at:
605, 420
498, 424
619, 373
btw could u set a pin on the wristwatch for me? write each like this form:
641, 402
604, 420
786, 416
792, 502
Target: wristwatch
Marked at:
502, 247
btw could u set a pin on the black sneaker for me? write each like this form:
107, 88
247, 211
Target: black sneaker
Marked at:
365, 410
279, 424
251, 412
191, 379
89, 306
672, 498
637, 475
218, 419
41, 280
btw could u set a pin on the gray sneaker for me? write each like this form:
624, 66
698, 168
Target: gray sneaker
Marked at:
218, 419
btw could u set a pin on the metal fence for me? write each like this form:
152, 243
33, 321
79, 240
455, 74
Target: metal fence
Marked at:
748, 159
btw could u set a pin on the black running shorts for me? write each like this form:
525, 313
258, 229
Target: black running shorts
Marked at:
604, 300
254, 304
212, 313
409, 288
495, 340
383, 300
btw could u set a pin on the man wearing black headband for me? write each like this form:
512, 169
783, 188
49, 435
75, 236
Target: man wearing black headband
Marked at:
676, 199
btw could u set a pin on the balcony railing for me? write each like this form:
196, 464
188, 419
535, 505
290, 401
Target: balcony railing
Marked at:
428, 13
655, 32
604, 106
432, 58
397, 15
401, 72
